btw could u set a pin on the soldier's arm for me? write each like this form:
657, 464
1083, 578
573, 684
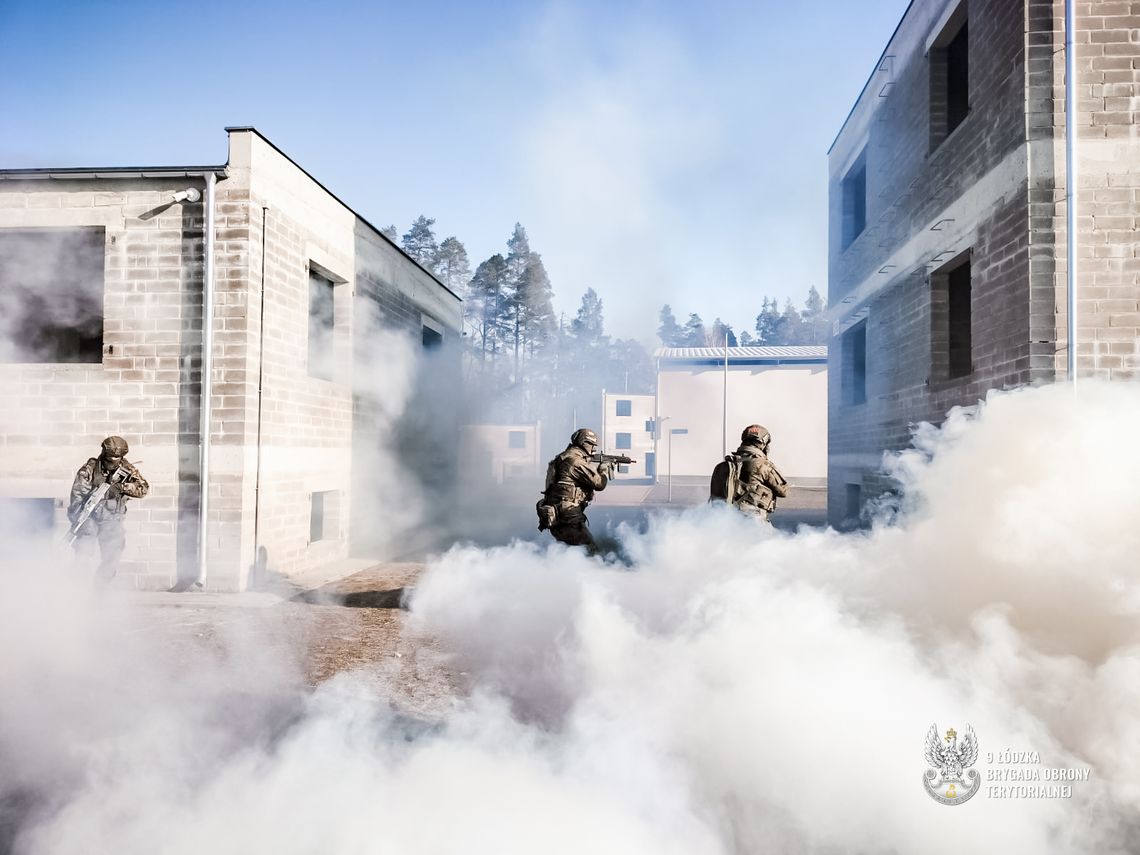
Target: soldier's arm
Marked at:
776, 481
136, 486
80, 488
588, 479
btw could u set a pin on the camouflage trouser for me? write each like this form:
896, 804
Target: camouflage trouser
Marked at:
112, 539
575, 534
759, 513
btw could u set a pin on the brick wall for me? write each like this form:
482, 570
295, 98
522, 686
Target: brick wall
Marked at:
1108, 70
55, 415
934, 199
1013, 228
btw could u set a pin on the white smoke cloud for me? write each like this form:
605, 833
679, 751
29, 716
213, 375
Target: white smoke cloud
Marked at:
739, 690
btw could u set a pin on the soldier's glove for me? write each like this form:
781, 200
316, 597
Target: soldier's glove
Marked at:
606, 468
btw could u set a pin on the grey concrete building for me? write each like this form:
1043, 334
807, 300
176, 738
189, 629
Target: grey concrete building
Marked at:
104, 275
947, 252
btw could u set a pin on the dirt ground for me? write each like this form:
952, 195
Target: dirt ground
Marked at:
355, 624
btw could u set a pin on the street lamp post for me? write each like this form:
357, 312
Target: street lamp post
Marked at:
672, 433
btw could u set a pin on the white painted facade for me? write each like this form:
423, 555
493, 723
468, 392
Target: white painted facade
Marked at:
627, 428
782, 388
501, 453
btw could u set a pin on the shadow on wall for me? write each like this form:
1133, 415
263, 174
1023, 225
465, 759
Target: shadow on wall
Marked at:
190, 398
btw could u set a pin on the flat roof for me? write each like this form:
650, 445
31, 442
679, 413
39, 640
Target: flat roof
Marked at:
744, 355
79, 172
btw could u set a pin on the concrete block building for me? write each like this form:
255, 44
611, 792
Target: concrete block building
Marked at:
501, 453
702, 408
948, 202
120, 284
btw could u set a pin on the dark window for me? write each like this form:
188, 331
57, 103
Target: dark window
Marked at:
960, 361
516, 439
853, 367
320, 326
951, 321
624, 408
853, 190
949, 77
624, 440
318, 516
29, 516
854, 503
957, 80
51, 283
650, 464
623, 468
432, 339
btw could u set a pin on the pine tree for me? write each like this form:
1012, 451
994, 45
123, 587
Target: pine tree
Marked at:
815, 322
450, 264
670, 331
746, 339
790, 326
486, 305
695, 334
419, 241
589, 325
718, 333
538, 304
767, 323
390, 233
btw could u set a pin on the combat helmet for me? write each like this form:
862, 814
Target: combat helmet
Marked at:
115, 446
756, 435
584, 437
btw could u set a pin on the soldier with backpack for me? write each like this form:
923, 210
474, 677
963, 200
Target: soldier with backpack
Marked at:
747, 478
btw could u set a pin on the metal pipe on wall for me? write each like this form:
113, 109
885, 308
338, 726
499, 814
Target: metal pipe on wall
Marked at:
207, 380
724, 415
1071, 181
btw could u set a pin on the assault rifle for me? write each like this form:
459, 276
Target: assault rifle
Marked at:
612, 459
94, 499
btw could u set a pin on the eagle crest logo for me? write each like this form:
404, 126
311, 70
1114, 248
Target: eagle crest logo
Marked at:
950, 760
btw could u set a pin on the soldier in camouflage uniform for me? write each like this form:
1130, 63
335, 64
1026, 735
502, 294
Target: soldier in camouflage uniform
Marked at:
755, 481
105, 525
571, 481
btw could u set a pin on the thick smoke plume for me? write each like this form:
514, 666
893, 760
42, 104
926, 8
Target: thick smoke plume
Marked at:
739, 690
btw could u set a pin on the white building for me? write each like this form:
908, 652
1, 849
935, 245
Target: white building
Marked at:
703, 405
501, 453
627, 428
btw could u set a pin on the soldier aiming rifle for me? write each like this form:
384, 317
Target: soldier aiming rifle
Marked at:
571, 481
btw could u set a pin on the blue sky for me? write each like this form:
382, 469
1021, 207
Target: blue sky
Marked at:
657, 152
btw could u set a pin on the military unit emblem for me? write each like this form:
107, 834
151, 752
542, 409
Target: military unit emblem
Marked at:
950, 760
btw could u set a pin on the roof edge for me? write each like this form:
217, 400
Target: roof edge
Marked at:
233, 129
118, 171
871, 76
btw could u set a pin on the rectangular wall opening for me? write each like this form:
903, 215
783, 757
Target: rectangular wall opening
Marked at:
853, 365
853, 194
951, 321
321, 327
949, 62
51, 286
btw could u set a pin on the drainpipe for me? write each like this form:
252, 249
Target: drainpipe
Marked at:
257, 563
724, 415
207, 380
1071, 179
